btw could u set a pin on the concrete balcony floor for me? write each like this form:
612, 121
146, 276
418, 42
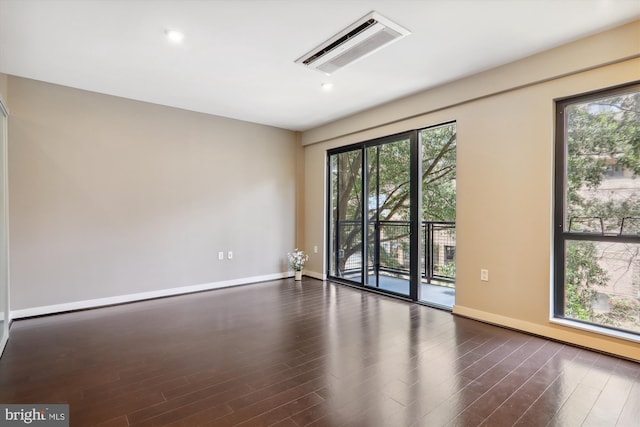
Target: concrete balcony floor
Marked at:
437, 295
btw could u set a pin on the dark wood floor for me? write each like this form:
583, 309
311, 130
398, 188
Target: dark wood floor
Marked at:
311, 354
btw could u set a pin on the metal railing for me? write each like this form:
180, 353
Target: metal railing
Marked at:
388, 248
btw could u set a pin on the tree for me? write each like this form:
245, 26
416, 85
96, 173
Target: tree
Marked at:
600, 136
387, 173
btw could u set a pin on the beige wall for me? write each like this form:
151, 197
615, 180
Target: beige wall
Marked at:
598, 50
300, 188
113, 197
505, 175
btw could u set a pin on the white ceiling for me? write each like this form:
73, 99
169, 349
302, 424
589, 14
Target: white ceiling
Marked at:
237, 56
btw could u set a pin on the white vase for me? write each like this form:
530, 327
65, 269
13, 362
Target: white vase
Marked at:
298, 275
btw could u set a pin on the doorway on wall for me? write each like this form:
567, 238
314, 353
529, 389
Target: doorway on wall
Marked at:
392, 215
388, 218
438, 227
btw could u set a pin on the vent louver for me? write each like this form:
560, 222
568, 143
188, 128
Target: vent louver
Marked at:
362, 38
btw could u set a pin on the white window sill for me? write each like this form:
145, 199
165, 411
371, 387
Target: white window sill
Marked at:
596, 329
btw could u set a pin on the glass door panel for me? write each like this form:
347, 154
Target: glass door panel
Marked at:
388, 216
438, 231
373, 203
346, 240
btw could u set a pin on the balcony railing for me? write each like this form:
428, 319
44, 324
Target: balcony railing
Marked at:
388, 249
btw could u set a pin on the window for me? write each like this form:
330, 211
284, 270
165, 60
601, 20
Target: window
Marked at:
615, 169
597, 209
449, 253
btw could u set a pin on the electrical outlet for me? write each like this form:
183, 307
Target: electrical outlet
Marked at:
220, 256
484, 275
315, 249
229, 255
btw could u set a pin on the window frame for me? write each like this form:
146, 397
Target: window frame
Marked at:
415, 207
562, 234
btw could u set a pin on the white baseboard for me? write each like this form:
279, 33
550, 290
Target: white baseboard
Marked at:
315, 275
3, 341
120, 299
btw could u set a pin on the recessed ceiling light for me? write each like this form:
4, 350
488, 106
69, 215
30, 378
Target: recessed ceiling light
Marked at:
174, 36
326, 86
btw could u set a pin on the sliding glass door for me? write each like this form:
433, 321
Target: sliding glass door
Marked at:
373, 215
388, 216
392, 214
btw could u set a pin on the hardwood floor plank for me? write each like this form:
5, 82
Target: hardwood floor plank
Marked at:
115, 422
610, 402
274, 389
630, 415
207, 410
197, 418
530, 391
283, 412
312, 354
311, 414
287, 422
209, 379
524, 363
265, 405
115, 407
196, 401
576, 408
450, 408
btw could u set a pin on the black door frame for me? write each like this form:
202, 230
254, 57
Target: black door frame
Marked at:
415, 201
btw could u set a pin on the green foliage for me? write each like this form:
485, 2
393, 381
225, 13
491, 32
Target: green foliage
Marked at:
624, 312
389, 179
349, 185
598, 134
388, 175
439, 173
448, 270
582, 275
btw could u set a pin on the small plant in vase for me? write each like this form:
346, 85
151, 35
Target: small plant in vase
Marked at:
296, 261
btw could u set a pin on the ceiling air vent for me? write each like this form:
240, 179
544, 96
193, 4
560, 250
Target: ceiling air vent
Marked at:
362, 38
